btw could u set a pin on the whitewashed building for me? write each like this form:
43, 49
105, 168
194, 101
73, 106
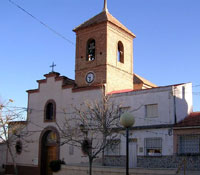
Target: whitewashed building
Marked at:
156, 111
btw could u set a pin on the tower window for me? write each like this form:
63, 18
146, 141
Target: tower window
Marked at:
120, 53
90, 50
50, 110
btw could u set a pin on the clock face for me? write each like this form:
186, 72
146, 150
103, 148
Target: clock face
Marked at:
89, 77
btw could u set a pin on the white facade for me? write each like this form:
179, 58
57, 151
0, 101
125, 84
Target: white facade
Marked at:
172, 104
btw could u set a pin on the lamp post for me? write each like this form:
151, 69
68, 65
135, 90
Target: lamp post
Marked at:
127, 120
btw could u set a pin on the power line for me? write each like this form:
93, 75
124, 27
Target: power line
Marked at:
42, 23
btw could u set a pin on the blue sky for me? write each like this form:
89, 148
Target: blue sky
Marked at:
166, 48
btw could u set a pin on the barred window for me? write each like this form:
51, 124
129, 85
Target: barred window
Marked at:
153, 146
151, 110
189, 144
113, 147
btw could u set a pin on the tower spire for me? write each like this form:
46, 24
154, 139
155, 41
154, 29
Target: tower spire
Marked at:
105, 6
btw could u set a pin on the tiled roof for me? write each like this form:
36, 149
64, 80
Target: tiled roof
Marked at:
191, 120
138, 80
120, 91
134, 90
104, 16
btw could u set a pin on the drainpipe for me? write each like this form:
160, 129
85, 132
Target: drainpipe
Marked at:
174, 98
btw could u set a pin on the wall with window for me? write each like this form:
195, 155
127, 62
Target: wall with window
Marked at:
150, 142
51, 92
157, 106
119, 59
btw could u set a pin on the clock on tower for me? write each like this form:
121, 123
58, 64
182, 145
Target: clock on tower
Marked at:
104, 53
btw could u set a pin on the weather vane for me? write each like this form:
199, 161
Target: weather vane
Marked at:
52, 66
105, 6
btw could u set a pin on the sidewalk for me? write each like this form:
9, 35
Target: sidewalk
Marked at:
189, 173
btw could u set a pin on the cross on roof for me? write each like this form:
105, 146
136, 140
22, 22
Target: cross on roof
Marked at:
105, 6
52, 66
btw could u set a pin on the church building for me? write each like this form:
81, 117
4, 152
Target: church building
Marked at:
104, 60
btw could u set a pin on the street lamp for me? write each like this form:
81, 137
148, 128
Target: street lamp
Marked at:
127, 120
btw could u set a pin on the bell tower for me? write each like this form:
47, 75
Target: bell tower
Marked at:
104, 53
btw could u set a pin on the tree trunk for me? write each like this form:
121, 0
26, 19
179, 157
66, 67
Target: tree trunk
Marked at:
103, 151
13, 159
90, 166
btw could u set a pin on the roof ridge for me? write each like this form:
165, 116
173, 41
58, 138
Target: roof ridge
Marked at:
103, 16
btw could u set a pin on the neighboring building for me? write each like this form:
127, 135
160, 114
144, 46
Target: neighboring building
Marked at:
187, 140
157, 110
104, 59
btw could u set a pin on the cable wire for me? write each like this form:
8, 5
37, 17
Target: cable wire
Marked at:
42, 23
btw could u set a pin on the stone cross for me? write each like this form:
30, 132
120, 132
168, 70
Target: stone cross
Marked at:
52, 66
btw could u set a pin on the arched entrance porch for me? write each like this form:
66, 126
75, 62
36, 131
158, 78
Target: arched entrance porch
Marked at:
49, 149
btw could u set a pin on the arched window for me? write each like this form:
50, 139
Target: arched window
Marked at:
50, 110
120, 53
18, 147
90, 50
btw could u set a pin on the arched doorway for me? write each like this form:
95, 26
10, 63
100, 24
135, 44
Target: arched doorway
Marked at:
49, 149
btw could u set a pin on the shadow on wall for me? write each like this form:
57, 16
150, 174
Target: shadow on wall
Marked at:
182, 106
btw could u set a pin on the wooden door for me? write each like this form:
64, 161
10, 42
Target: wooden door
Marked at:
51, 155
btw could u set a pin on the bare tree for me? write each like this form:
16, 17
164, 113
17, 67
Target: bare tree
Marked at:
93, 127
11, 126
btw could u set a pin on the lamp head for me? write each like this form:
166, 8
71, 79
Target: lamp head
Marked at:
127, 120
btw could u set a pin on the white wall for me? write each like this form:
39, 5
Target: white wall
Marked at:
141, 135
163, 96
65, 100
183, 100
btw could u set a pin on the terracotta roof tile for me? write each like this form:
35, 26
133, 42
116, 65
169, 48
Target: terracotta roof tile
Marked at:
104, 16
138, 80
193, 119
120, 91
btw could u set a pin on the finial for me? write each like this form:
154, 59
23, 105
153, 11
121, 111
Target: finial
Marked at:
52, 66
105, 6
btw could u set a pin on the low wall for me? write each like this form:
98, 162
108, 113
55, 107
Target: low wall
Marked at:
97, 170
192, 162
115, 161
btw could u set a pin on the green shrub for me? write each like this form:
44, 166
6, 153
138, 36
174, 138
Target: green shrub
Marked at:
55, 165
